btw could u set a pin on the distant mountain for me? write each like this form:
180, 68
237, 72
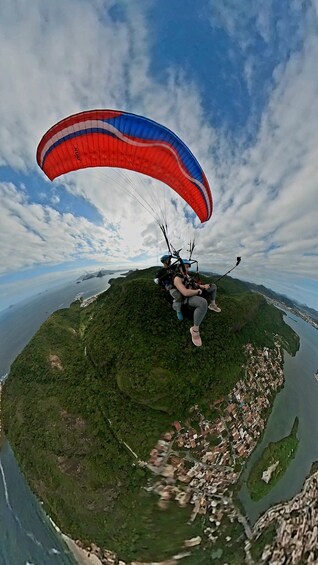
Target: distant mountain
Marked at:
310, 312
271, 294
97, 274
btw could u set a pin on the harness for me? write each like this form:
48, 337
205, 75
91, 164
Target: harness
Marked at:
188, 281
165, 278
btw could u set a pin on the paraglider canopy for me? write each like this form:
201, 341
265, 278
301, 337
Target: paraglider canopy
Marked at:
111, 138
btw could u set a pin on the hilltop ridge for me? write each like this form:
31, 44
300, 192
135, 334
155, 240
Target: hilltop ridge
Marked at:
97, 385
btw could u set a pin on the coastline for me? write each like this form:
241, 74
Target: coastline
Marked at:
281, 511
89, 554
82, 556
262, 363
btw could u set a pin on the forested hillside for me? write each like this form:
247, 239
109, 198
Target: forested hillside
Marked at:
97, 382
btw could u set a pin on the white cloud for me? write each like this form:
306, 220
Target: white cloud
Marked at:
55, 199
62, 57
268, 199
261, 35
58, 58
68, 56
34, 234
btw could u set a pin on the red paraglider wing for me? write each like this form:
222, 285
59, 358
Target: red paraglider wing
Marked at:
110, 138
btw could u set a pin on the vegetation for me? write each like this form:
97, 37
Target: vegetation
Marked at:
121, 370
313, 469
276, 455
266, 538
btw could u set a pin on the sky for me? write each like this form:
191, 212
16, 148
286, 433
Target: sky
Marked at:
236, 81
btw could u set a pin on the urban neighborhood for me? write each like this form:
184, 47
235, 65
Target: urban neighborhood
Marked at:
199, 462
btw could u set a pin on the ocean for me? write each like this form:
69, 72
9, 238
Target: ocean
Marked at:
27, 537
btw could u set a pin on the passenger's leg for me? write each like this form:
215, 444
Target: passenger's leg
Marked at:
211, 298
200, 306
177, 302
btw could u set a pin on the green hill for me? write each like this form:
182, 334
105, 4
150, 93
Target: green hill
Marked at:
96, 384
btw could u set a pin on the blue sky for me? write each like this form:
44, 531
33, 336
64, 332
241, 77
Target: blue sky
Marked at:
236, 81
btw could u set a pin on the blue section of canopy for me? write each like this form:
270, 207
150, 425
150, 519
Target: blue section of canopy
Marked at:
145, 129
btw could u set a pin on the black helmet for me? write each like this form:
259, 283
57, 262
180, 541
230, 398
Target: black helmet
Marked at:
165, 258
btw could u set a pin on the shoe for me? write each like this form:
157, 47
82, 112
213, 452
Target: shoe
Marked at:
214, 307
196, 339
180, 316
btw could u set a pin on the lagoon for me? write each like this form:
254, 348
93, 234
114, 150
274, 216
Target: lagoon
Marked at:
298, 398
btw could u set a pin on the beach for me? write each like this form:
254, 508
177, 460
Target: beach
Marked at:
82, 555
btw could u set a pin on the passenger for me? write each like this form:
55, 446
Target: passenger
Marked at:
199, 296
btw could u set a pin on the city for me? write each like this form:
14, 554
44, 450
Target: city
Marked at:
199, 462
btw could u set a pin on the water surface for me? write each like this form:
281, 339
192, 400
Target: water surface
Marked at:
299, 397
